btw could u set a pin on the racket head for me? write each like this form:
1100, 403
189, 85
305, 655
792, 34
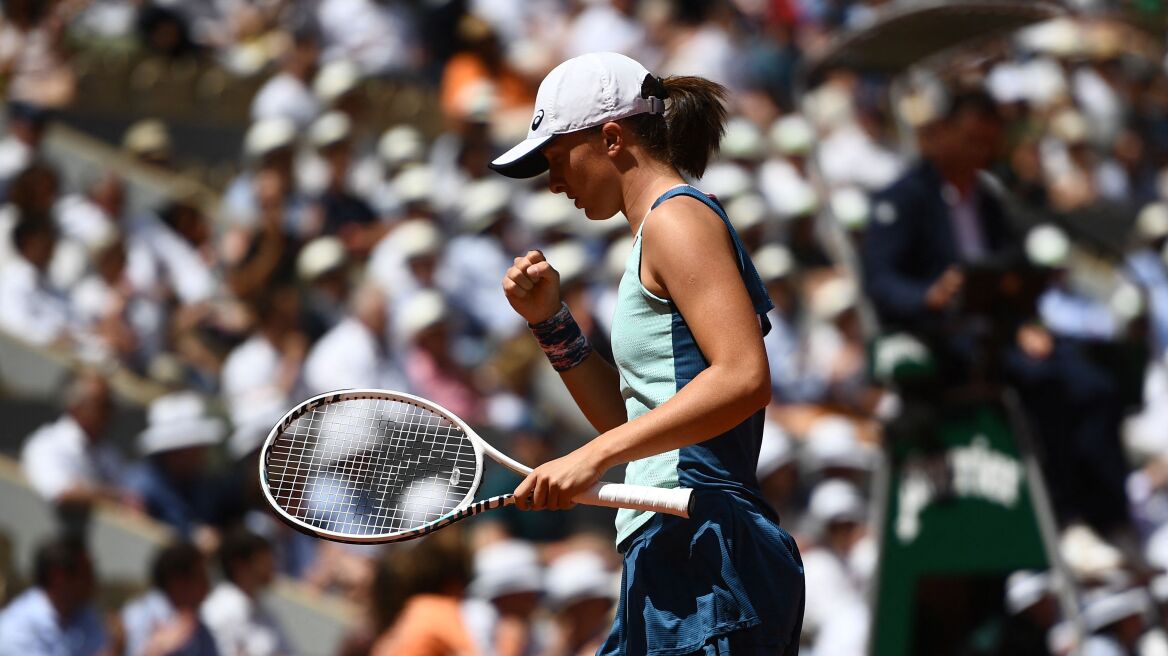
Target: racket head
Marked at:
367, 466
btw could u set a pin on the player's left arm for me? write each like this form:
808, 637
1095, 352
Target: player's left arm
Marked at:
689, 256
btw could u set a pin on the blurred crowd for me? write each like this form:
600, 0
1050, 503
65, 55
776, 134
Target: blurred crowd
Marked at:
351, 254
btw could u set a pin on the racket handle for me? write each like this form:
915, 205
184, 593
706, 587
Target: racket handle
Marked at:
675, 501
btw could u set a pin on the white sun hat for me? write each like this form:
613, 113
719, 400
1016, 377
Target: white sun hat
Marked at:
743, 140
1025, 588
320, 256
773, 262
416, 238
332, 128
578, 576
544, 210
419, 311
836, 500
747, 211
792, 135
400, 145
776, 451
335, 79
268, 135
580, 93
506, 567
832, 442
481, 203
178, 421
726, 181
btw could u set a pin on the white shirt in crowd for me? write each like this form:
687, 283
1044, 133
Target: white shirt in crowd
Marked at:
836, 613
29, 306
377, 36
470, 271
240, 625
156, 253
59, 456
30, 626
350, 355
248, 377
601, 28
143, 616
285, 96
15, 155
84, 221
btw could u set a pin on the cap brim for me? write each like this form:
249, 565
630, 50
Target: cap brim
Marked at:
524, 160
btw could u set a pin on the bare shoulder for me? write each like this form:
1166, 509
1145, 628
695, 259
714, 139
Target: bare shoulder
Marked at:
685, 242
682, 228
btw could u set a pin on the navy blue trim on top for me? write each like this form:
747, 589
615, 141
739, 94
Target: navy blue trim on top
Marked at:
754, 287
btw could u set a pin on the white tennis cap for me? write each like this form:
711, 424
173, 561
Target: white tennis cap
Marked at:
506, 567
580, 93
178, 421
577, 576
1026, 588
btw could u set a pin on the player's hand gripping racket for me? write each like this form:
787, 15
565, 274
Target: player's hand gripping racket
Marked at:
369, 465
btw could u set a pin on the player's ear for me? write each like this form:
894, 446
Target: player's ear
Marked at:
613, 136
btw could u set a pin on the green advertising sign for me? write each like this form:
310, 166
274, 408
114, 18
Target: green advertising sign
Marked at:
958, 517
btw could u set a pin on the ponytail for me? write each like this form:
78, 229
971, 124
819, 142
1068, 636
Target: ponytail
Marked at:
693, 124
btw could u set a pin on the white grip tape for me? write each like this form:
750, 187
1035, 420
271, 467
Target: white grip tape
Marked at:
674, 501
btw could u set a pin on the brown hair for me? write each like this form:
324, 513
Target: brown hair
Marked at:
694, 121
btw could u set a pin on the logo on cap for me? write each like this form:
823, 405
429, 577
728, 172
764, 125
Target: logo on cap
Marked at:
538, 119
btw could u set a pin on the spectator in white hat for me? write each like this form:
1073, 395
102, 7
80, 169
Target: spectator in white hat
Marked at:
836, 347
751, 217
422, 326
832, 449
173, 480
475, 258
792, 382
355, 353
322, 268
345, 214
148, 141
269, 145
336, 85
837, 614
406, 259
398, 147
508, 577
580, 591
1032, 612
778, 472
288, 94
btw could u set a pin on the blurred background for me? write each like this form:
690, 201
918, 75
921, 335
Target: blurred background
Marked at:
213, 209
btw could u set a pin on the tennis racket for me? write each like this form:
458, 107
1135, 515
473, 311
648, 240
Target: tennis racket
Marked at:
371, 466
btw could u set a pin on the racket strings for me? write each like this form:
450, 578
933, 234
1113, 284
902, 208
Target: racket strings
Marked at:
371, 467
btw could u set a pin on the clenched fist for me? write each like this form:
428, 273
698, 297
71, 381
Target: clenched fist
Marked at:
532, 287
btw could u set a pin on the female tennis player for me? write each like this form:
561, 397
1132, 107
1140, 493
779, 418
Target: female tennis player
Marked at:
684, 406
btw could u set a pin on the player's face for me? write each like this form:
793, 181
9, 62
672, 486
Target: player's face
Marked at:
579, 167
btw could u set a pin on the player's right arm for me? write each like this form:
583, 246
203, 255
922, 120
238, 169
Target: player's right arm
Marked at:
532, 287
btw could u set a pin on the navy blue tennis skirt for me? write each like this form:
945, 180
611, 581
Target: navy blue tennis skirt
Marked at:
728, 580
